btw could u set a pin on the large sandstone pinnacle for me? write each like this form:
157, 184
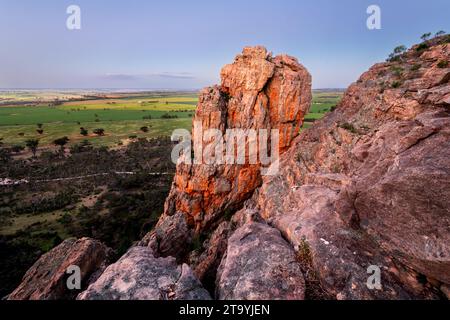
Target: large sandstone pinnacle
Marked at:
257, 91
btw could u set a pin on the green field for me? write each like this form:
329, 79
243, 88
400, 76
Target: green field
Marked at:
120, 118
323, 102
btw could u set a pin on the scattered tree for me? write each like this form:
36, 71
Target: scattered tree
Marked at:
168, 116
440, 33
422, 47
40, 131
426, 36
144, 129
84, 132
61, 142
32, 145
396, 54
40, 125
399, 49
99, 132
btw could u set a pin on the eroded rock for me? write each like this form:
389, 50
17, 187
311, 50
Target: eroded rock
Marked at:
366, 185
257, 91
259, 265
138, 275
46, 279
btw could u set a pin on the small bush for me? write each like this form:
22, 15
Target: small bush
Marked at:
99, 132
83, 132
349, 127
422, 47
442, 64
415, 67
168, 116
398, 71
396, 84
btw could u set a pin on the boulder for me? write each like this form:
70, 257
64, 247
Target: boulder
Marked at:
259, 265
138, 275
171, 237
47, 278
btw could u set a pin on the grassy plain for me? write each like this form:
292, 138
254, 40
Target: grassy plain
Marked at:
120, 117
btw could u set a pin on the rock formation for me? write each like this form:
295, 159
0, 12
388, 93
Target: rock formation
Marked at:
259, 265
138, 275
46, 279
258, 91
367, 185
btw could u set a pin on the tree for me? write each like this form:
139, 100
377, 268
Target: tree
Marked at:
440, 33
40, 131
83, 132
399, 49
40, 125
396, 54
32, 145
61, 142
426, 36
144, 129
99, 132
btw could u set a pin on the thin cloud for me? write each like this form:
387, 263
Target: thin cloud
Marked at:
130, 77
121, 76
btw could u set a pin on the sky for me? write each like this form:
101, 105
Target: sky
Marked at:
179, 44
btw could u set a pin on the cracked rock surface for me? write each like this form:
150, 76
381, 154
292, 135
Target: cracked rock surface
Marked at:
138, 275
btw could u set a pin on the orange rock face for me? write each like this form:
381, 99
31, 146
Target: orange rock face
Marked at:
257, 91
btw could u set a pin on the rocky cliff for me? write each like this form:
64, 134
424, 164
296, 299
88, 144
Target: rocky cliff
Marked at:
364, 189
367, 185
257, 91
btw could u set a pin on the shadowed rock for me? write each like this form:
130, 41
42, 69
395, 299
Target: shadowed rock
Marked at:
46, 279
259, 265
367, 185
138, 275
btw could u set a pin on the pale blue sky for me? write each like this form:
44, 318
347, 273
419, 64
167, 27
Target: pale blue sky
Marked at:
183, 44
